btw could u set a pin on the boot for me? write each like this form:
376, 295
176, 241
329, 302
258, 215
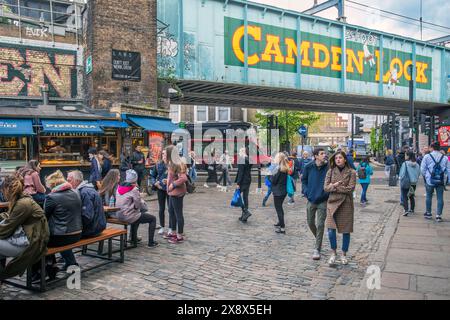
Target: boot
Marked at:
242, 215
246, 215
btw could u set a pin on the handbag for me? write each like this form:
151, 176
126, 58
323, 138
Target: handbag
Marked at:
236, 201
405, 182
190, 185
411, 192
19, 237
290, 186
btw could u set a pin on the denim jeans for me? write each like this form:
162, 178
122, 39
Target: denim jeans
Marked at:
269, 192
364, 186
333, 241
440, 198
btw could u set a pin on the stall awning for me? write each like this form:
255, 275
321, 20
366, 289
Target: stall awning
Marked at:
112, 124
16, 127
154, 124
71, 126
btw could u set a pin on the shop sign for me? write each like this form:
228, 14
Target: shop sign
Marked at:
137, 133
8, 125
67, 134
110, 133
126, 65
70, 126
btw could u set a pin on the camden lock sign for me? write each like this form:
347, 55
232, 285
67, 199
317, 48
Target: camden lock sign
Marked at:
275, 48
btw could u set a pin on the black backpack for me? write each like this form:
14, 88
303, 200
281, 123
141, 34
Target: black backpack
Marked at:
190, 185
362, 172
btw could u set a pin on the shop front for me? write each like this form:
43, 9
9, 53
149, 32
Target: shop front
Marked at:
153, 133
15, 143
64, 144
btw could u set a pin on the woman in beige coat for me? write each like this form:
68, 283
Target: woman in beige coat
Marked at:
340, 183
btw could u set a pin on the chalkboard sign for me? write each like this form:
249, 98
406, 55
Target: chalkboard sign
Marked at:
126, 65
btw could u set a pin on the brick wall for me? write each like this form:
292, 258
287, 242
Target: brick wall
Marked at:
128, 25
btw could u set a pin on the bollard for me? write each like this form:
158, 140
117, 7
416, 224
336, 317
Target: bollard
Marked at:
259, 189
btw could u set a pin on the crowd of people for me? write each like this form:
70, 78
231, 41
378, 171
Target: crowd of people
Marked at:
64, 210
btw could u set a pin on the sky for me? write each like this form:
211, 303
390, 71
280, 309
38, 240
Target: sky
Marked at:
434, 11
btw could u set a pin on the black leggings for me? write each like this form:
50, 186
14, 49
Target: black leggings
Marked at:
145, 218
176, 214
162, 199
244, 193
278, 201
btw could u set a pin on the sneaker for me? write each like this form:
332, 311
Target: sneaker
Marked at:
280, 230
206, 185
153, 244
176, 240
316, 255
139, 239
344, 260
246, 215
332, 260
438, 219
405, 214
169, 235
276, 225
427, 215
161, 231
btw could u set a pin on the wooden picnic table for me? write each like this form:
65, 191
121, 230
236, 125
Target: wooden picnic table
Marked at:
4, 205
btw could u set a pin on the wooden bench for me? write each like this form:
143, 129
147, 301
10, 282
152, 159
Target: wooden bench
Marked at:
107, 234
125, 227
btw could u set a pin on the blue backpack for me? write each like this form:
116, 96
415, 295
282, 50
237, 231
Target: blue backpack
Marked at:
437, 174
290, 186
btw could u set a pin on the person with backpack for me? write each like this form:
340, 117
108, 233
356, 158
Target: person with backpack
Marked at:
388, 162
409, 175
294, 165
434, 169
365, 171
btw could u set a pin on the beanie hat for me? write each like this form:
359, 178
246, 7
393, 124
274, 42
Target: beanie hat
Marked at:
131, 176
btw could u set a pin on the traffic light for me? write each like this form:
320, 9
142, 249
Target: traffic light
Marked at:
358, 125
425, 123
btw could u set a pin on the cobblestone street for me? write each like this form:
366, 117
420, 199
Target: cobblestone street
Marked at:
225, 259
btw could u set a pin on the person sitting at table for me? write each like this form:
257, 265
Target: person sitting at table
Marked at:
133, 208
26, 213
109, 188
92, 215
32, 182
63, 210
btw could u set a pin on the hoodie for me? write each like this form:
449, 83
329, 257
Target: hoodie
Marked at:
92, 214
413, 171
128, 199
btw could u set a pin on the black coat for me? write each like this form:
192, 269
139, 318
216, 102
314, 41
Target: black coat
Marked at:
138, 156
279, 182
106, 167
63, 211
244, 174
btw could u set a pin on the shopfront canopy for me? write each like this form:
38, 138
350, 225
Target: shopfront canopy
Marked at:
153, 123
71, 126
16, 127
112, 124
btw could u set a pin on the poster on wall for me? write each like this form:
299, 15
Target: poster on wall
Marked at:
444, 136
126, 65
155, 146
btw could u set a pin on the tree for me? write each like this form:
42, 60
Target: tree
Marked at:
294, 119
376, 141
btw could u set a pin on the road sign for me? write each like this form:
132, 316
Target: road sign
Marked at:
89, 65
303, 131
182, 125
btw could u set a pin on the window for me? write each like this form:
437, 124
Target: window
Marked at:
200, 113
175, 113
222, 114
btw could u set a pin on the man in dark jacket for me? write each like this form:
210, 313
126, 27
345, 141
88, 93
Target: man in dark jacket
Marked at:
138, 162
313, 180
350, 161
243, 181
92, 214
96, 168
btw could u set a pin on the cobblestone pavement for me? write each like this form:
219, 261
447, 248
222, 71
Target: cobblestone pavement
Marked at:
225, 259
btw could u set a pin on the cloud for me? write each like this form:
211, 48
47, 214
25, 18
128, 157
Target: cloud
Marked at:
435, 11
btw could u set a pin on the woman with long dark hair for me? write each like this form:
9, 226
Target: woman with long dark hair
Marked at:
32, 181
176, 189
109, 187
105, 162
243, 181
340, 183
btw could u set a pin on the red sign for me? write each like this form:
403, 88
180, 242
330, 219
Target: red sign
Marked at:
444, 136
155, 145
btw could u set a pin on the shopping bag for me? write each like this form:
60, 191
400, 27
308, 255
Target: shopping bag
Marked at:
290, 186
237, 199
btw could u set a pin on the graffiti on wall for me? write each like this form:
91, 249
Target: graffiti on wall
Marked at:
168, 50
24, 70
